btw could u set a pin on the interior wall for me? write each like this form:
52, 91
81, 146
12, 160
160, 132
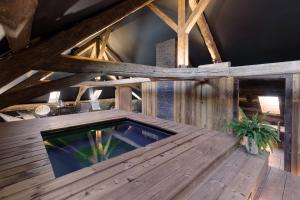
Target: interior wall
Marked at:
295, 151
206, 104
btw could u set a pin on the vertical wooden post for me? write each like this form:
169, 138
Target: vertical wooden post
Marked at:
288, 118
123, 98
182, 37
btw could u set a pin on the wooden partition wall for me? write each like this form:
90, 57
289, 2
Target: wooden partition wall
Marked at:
295, 138
206, 104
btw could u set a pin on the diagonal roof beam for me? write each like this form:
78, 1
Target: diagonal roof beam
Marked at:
163, 16
206, 34
104, 43
22, 62
199, 9
29, 93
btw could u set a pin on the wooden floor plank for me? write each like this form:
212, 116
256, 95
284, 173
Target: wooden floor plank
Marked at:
243, 184
102, 166
169, 169
274, 186
90, 183
214, 185
292, 187
162, 169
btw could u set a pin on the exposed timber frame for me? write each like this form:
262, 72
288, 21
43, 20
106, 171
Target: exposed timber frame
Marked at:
29, 93
86, 65
113, 83
163, 16
206, 34
22, 62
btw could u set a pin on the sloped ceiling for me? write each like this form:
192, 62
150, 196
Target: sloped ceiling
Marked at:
245, 31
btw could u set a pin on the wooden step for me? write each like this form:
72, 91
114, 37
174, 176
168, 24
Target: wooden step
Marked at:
237, 178
279, 185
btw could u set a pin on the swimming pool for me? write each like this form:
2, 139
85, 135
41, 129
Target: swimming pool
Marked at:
73, 149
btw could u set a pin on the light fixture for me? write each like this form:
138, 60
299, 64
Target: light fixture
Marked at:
96, 95
54, 97
269, 104
136, 96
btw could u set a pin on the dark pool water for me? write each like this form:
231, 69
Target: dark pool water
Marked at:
74, 149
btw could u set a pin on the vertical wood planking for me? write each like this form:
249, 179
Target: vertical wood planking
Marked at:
123, 98
295, 158
288, 122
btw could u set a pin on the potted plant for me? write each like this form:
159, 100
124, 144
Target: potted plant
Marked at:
255, 133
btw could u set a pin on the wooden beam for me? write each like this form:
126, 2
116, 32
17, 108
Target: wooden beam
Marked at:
16, 17
206, 35
86, 65
33, 80
197, 12
81, 91
26, 94
123, 98
104, 43
18, 64
163, 16
122, 82
182, 37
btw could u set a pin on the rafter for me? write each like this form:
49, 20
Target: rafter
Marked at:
81, 91
33, 80
22, 62
16, 19
104, 43
163, 16
86, 65
122, 82
206, 34
29, 93
198, 10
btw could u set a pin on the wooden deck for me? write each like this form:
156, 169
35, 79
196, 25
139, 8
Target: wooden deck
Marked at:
193, 164
279, 185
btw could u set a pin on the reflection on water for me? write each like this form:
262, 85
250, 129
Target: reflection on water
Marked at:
75, 149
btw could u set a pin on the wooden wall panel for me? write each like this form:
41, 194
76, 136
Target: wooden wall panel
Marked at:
295, 154
206, 105
203, 104
149, 99
123, 98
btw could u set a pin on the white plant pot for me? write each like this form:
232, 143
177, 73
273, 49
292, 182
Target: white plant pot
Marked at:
251, 146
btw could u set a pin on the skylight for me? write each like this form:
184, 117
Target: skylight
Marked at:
54, 97
269, 104
96, 95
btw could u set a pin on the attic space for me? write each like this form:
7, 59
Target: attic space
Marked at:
150, 99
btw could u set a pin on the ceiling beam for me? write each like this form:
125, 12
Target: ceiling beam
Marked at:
87, 65
197, 12
122, 82
16, 17
29, 93
33, 80
22, 62
104, 43
206, 34
182, 37
163, 16
81, 91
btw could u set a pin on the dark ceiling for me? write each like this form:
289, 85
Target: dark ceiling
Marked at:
246, 31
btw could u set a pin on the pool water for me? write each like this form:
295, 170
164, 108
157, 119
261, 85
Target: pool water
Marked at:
74, 149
